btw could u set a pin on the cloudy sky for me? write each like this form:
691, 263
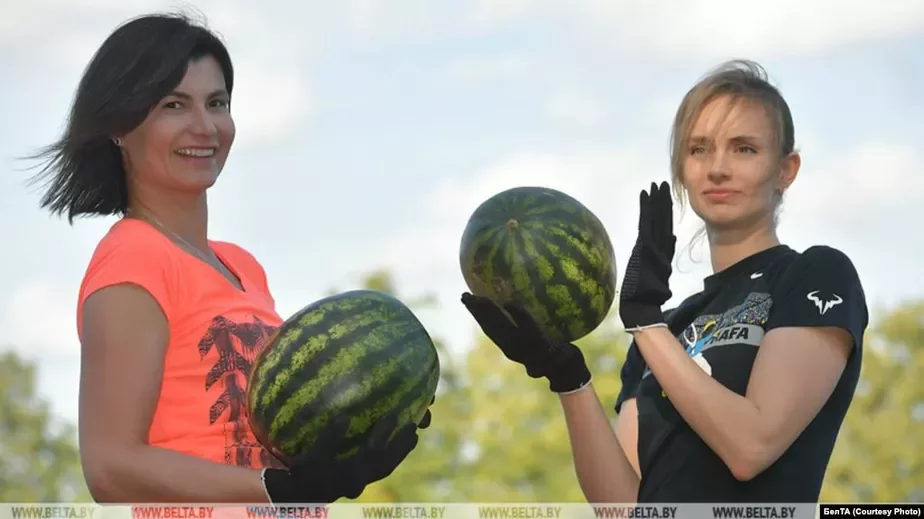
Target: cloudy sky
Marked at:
369, 130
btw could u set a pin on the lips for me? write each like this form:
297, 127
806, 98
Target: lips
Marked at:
719, 194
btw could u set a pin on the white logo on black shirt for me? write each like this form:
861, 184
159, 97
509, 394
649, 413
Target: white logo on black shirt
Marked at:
823, 305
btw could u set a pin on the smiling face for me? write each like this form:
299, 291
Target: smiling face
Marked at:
183, 143
734, 172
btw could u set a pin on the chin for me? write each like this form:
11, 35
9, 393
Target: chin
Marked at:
722, 217
197, 185
203, 179
732, 221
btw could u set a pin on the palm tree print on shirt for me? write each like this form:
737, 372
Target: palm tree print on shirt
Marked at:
237, 344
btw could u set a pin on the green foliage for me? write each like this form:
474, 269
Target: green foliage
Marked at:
879, 455
39, 460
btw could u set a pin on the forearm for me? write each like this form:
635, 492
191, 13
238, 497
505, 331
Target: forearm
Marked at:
726, 421
152, 474
603, 471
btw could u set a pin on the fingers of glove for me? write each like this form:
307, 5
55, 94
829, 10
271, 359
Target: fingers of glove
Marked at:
354, 492
325, 446
486, 313
527, 326
643, 220
382, 430
425, 421
665, 213
469, 299
380, 464
656, 214
402, 444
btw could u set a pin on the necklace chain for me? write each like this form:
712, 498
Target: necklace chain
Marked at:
196, 250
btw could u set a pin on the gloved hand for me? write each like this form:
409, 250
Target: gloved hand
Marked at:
521, 341
645, 286
318, 477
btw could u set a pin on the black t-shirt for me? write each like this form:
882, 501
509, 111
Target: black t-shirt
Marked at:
721, 328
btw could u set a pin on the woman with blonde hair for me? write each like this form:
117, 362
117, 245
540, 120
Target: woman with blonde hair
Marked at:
738, 393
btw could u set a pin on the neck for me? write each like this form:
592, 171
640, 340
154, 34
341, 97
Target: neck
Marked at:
729, 246
186, 216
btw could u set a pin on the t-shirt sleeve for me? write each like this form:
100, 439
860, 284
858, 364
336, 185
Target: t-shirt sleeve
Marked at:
821, 288
134, 262
631, 374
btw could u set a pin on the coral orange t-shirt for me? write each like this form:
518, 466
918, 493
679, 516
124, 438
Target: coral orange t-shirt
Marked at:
216, 332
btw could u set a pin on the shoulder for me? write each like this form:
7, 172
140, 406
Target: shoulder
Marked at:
129, 247
827, 257
819, 259
820, 287
131, 253
818, 264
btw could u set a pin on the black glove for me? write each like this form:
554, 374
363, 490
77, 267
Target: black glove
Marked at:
521, 341
645, 286
318, 477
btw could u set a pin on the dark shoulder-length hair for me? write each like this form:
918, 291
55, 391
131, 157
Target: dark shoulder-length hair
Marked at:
140, 63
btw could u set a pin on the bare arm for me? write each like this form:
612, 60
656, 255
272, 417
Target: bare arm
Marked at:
605, 461
123, 345
795, 372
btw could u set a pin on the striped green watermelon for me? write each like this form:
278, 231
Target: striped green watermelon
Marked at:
546, 250
362, 353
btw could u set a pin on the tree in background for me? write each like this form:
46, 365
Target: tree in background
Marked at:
879, 454
39, 459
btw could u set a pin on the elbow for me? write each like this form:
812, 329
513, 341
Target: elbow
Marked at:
744, 470
100, 472
751, 459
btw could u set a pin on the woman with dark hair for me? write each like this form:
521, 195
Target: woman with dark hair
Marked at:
738, 393
170, 321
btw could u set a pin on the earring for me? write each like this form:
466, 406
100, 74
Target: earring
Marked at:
117, 141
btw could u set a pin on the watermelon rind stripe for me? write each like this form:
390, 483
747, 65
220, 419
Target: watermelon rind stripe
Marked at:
364, 387
326, 380
311, 343
301, 360
576, 275
411, 396
416, 401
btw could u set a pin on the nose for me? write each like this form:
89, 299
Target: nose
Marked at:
719, 169
202, 122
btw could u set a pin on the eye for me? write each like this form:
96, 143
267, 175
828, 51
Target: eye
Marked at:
746, 149
697, 149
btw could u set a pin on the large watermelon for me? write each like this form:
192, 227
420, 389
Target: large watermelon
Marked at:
360, 353
546, 250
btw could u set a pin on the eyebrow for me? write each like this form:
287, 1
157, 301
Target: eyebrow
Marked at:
748, 139
221, 92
